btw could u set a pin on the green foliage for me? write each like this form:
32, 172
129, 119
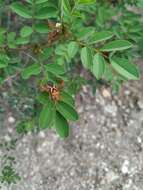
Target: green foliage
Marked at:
8, 175
21, 10
86, 57
98, 65
61, 125
47, 115
116, 45
49, 39
126, 69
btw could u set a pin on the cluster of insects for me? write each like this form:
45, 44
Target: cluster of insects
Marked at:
53, 90
57, 30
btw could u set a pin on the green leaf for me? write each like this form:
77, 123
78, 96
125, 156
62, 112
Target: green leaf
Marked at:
46, 12
41, 1
61, 125
124, 68
21, 10
24, 127
31, 70
22, 41
86, 57
11, 39
117, 45
26, 31
68, 99
98, 65
4, 60
46, 115
101, 36
84, 33
72, 49
47, 52
86, 1
3, 64
43, 98
67, 111
61, 50
66, 8
2, 30
108, 74
140, 4
42, 28
55, 69
11, 36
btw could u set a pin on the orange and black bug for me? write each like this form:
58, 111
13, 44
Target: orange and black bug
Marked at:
53, 90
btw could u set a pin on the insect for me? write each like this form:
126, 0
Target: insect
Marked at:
53, 90
56, 32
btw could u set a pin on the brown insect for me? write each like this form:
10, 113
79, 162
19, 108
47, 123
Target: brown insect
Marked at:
53, 90
56, 32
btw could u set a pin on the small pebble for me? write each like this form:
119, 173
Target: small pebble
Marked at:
106, 93
11, 120
42, 134
139, 140
7, 138
125, 167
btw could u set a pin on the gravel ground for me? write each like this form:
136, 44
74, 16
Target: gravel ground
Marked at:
103, 152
